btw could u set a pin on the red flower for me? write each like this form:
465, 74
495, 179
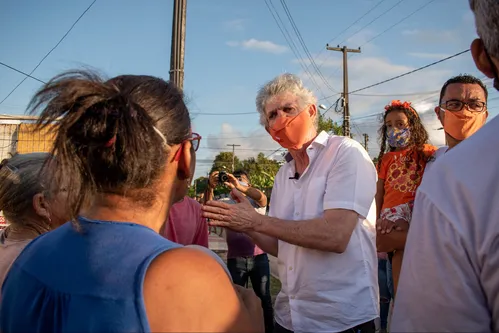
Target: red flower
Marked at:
398, 104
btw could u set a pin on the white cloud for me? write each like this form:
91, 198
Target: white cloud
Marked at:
433, 36
236, 24
411, 32
259, 45
251, 143
232, 43
428, 55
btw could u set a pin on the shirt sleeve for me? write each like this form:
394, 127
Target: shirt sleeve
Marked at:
351, 182
438, 285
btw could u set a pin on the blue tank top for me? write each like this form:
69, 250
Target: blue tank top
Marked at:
87, 280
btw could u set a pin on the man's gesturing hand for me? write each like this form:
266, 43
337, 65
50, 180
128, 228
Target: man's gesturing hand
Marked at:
238, 217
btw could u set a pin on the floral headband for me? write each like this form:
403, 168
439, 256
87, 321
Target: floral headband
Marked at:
397, 104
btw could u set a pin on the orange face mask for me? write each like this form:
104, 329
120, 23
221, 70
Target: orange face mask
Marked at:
292, 132
463, 124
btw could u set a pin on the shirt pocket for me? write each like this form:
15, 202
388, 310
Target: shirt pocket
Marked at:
313, 198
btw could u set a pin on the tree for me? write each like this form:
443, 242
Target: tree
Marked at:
223, 161
329, 126
261, 171
198, 186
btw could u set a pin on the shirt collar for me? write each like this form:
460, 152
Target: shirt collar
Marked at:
320, 140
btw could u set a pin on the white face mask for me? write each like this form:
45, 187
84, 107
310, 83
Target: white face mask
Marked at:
243, 183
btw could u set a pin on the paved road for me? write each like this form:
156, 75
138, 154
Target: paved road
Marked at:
218, 244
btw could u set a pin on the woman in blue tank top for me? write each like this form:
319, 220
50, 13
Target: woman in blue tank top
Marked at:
123, 144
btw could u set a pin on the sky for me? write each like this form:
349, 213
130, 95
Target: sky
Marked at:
234, 47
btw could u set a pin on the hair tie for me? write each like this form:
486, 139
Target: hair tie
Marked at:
111, 142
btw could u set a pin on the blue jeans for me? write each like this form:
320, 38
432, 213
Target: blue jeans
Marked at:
257, 269
385, 290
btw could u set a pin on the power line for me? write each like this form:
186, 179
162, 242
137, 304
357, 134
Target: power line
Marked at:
21, 72
398, 22
410, 72
371, 22
51, 50
398, 94
346, 29
389, 28
304, 45
291, 43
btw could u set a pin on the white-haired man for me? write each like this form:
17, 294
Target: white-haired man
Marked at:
455, 223
321, 220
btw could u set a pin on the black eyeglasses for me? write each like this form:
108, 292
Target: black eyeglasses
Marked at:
457, 105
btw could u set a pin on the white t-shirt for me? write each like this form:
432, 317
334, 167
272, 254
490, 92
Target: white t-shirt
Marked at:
439, 152
325, 291
450, 273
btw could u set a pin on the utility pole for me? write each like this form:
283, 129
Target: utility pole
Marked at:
233, 154
346, 110
366, 141
178, 43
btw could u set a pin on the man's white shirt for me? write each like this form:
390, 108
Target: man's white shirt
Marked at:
450, 273
325, 291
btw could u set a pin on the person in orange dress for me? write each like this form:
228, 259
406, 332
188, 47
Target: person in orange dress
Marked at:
403, 156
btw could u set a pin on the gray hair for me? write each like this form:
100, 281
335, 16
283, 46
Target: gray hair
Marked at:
284, 83
487, 23
21, 178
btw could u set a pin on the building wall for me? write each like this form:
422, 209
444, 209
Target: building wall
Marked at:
30, 140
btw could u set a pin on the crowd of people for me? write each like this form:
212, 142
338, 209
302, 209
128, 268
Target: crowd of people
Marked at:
102, 236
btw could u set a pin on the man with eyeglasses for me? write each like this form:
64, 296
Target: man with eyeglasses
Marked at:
450, 278
462, 110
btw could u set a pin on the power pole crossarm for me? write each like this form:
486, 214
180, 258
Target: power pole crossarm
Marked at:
329, 48
346, 109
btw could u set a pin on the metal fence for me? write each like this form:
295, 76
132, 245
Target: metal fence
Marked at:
18, 135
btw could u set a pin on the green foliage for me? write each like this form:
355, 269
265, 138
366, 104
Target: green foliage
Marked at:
223, 161
329, 126
261, 171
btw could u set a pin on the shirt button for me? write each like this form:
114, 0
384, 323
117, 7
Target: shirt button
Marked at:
290, 268
292, 297
297, 213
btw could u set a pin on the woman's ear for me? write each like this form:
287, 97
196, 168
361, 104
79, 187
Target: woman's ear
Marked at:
184, 162
41, 206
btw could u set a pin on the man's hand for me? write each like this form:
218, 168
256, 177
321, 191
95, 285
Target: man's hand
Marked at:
213, 180
240, 217
253, 304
